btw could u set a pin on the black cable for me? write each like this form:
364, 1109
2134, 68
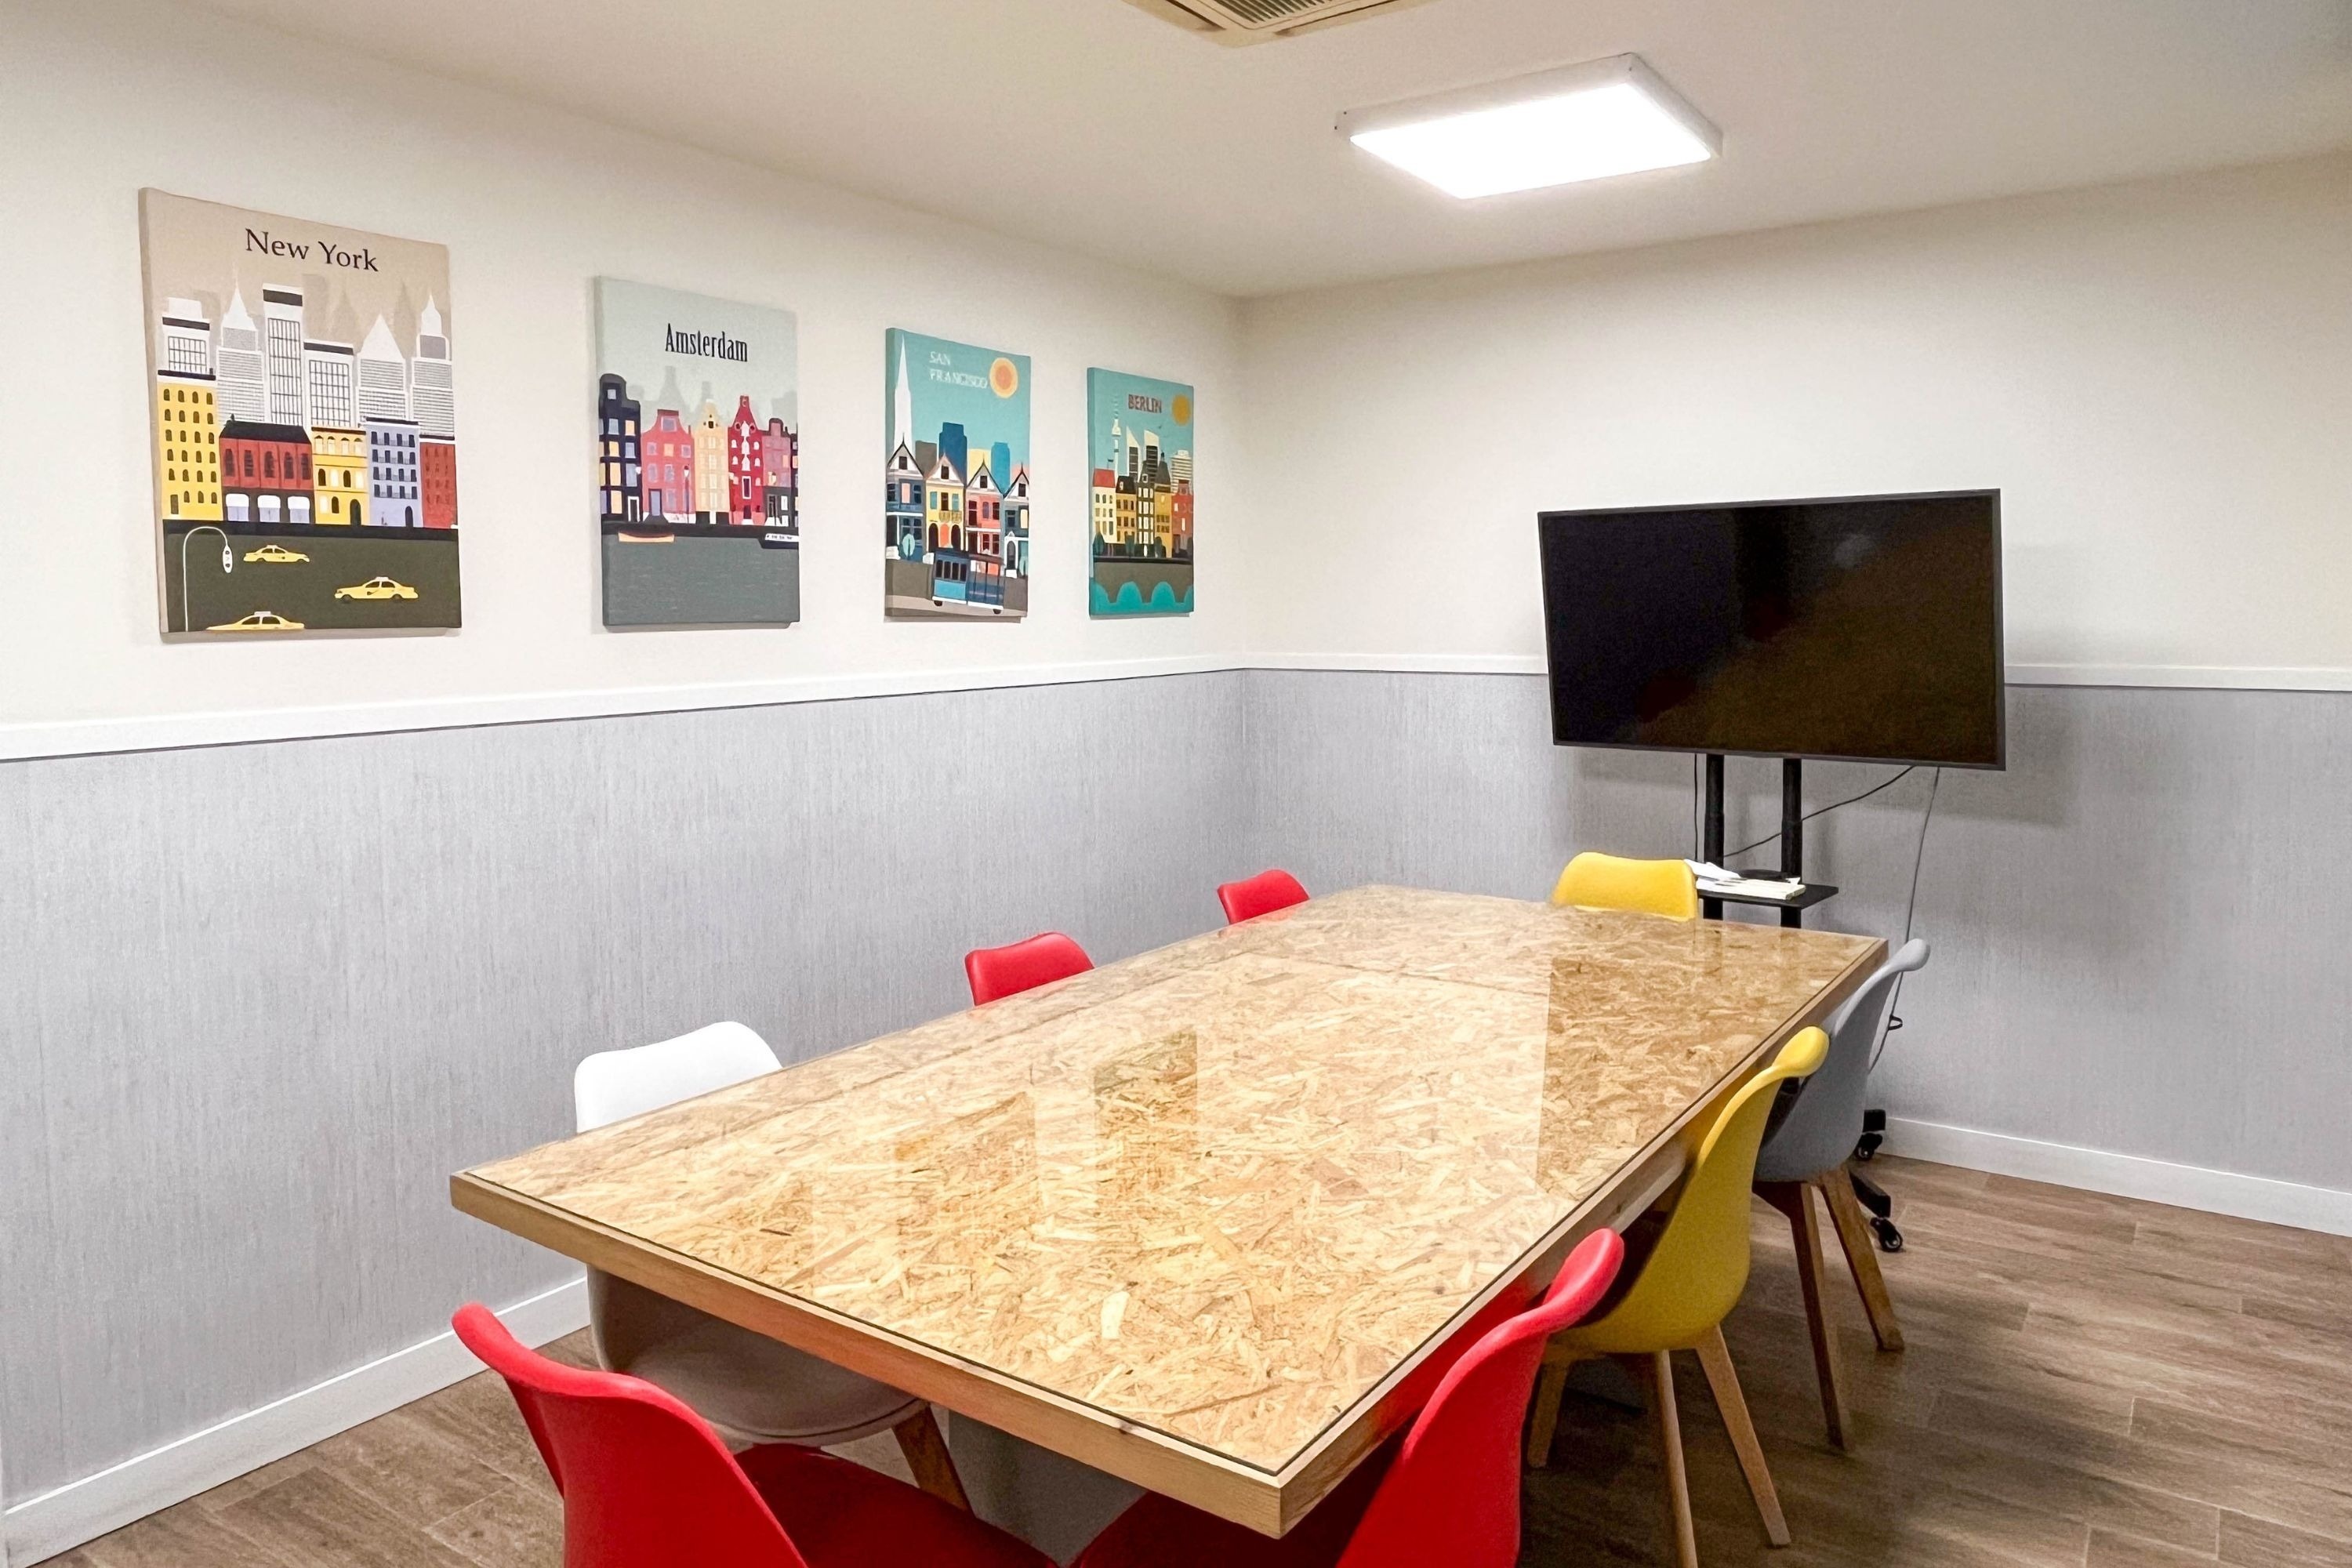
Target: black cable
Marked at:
1865, 794
1910, 907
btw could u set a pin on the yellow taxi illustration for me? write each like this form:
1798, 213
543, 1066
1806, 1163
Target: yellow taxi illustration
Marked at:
377, 588
275, 554
259, 621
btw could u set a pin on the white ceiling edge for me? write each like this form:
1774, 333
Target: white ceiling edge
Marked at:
2047, 198
1840, 110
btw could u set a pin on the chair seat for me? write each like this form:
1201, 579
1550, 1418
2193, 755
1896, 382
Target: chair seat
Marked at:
841, 1515
1160, 1532
756, 1389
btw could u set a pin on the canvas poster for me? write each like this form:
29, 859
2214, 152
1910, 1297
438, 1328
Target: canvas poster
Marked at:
955, 524
302, 385
698, 458
1140, 436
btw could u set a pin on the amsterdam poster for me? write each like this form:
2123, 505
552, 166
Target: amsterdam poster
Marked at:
305, 444
698, 459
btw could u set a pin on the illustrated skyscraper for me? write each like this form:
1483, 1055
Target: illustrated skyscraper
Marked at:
244, 377
433, 381
281, 344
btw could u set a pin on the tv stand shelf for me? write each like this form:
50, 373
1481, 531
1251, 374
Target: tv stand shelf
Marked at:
1711, 904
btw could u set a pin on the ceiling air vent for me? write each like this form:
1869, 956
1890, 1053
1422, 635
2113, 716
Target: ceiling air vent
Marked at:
1255, 21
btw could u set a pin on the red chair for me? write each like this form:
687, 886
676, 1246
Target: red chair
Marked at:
1022, 966
647, 1484
1260, 895
1449, 1496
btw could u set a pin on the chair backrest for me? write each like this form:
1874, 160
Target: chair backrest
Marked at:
1698, 1267
1452, 1494
645, 1482
1823, 1125
611, 1086
1022, 965
1596, 881
1260, 895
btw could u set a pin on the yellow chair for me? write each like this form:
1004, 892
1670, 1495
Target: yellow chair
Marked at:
1595, 881
1691, 1278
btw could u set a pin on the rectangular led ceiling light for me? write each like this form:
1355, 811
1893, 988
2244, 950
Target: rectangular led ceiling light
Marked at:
1554, 128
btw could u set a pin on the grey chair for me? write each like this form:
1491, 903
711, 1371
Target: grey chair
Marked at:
1807, 1152
751, 1388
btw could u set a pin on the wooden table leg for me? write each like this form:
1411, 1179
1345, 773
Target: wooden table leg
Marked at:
926, 1456
1661, 1377
1794, 1199
1861, 1256
1714, 1357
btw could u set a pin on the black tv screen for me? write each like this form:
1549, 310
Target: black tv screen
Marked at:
1867, 628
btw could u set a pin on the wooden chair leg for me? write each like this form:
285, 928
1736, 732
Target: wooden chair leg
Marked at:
926, 1449
1794, 1199
1861, 1256
1660, 1378
1714, 1356
1543, 1421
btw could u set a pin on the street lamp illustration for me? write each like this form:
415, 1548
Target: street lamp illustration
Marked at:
228, 564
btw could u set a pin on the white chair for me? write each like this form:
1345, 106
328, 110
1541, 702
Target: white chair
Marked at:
752, 1388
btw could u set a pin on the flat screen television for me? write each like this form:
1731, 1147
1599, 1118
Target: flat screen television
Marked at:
1865, 628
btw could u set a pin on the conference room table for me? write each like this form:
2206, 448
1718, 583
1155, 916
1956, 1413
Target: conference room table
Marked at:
1212, 1218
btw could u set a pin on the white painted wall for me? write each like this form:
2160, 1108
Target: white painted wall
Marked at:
532, 203
2157, 376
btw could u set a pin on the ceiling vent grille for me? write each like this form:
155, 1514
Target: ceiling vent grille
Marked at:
1255, 21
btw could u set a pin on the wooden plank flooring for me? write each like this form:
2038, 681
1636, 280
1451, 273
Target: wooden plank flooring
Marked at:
2091, 1382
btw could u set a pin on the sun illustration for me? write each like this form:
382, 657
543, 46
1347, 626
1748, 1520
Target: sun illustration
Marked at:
1003, 379
1183, 409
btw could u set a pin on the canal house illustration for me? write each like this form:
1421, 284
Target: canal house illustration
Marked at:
741, 473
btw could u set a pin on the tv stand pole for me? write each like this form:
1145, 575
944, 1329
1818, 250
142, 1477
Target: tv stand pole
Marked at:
1792, 842
1792, 830
1712, 909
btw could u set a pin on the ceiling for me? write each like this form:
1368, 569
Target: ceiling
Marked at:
1091, 125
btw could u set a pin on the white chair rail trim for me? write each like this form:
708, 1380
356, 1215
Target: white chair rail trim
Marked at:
28, 740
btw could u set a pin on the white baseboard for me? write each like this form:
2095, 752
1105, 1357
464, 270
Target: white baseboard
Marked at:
82, 1510
2125, 1175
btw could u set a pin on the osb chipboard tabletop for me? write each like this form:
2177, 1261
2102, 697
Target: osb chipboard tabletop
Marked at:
1215, 1197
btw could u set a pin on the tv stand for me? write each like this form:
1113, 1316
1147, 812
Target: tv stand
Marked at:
1792, 844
